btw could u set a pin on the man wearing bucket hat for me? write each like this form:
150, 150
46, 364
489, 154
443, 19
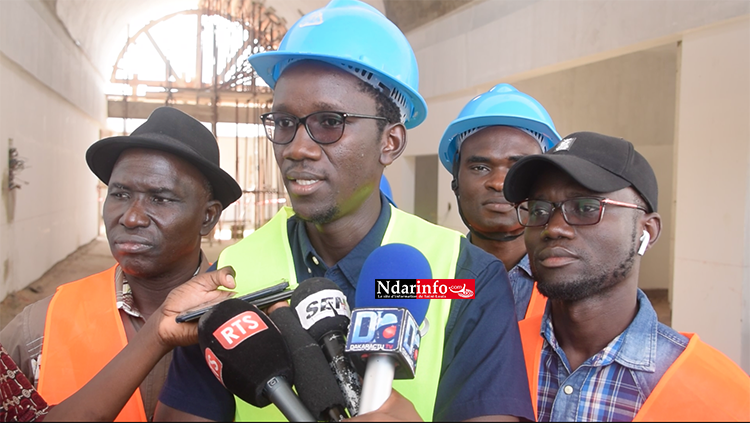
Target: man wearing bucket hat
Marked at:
598, 352
492, 132
165, 191
345, 90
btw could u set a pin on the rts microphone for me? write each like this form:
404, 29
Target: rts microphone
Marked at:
315, 384
248, 355
386, 331
323, 311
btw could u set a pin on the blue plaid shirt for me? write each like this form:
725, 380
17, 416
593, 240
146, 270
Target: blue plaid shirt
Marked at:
614, 383
522, 284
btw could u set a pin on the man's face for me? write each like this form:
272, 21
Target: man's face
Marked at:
575, 262
155, 207
326, 182
486, 158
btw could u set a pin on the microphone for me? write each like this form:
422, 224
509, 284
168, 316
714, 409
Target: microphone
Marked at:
386, 331
246, 352
316, 386
323, 311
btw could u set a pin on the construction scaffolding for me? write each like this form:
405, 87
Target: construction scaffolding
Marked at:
216, 85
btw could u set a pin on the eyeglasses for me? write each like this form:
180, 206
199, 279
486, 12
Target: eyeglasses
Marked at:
576, 211
322, 127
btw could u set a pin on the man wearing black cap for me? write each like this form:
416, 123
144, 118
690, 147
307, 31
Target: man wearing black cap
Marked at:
165, 191
599, 352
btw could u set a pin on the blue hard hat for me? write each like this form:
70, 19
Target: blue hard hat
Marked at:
503, 105
358, 38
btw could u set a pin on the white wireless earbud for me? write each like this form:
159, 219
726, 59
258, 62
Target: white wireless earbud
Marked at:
645, 238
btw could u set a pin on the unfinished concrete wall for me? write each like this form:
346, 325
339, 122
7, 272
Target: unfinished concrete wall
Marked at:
712, 239
52, 107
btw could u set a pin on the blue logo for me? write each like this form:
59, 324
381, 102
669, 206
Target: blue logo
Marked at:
386, 330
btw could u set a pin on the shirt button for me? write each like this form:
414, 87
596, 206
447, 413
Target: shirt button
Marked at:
309, 270
568, 390
315, 260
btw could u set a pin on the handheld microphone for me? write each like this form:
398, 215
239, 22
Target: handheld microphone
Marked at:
323, 311
386, 331
315, 384
246, 352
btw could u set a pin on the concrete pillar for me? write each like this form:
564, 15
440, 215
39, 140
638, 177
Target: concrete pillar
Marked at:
711, 288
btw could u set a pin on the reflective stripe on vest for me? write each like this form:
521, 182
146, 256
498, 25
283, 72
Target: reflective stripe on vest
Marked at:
264, 258
537, 304
80, 338
701, 385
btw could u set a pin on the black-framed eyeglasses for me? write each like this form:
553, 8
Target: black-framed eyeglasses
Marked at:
324, 127
580, 211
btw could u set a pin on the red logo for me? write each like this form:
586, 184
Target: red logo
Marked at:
238, 329
438, 289
214, 364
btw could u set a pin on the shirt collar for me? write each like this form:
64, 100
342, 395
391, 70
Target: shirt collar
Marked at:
634, 348
124, 294
525, 265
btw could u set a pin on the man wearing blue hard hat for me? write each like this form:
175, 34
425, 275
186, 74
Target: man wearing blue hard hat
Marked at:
345, 83
492, 132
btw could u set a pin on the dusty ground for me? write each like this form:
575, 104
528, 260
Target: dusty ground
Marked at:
95, 257
91, 258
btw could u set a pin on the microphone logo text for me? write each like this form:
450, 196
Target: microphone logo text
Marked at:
214, 364
238, 329
386, 330
321, 305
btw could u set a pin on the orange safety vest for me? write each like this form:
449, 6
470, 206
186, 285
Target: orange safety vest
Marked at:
83, 331
537, 304
701, 385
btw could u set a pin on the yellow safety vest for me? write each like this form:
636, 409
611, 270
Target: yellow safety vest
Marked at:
264, 257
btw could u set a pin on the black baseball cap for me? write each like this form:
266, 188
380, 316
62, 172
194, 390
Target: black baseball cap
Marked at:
598, 162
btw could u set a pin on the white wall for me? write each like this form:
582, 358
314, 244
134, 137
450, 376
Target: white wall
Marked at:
712, 221
52, 106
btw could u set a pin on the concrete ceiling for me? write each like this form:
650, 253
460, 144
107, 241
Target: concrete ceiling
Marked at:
101, 27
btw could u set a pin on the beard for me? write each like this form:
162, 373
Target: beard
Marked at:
588, 285
321, 217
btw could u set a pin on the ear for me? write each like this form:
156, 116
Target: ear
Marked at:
393, 143
651, 223
211, 215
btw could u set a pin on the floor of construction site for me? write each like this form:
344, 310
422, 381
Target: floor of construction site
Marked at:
95, 257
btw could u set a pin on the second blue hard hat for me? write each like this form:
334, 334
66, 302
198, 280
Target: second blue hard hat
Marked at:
503, 105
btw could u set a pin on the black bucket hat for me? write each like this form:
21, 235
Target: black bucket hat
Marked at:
168, 129
598, 162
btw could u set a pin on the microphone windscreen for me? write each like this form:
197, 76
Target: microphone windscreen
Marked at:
244, 349
321, 307
393, 261
314, 381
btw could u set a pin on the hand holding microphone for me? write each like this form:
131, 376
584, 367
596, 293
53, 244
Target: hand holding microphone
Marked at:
248, 355
386, 331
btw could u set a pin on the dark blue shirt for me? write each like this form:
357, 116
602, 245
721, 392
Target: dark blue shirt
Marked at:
522, 284
483, 371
